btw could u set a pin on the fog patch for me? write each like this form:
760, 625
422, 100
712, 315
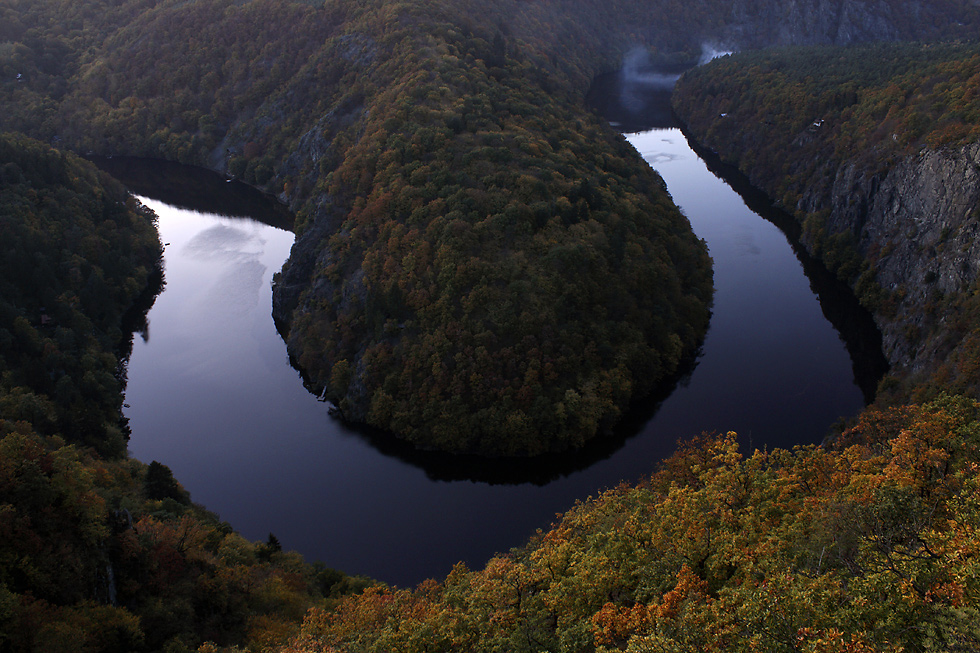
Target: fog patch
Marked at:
639, 78
710, 51
639, 70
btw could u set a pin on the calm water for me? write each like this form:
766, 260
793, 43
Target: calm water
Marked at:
211, 394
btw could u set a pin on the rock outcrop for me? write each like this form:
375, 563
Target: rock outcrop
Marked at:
917, 223
875, 150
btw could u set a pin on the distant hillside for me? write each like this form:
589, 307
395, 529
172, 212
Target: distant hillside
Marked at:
876, 151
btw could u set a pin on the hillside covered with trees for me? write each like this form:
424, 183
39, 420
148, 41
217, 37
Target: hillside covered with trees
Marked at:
423, 295
868, 545
99, 552
76, 254
865, 544
481, 264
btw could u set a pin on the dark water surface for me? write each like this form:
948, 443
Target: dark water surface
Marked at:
211, 393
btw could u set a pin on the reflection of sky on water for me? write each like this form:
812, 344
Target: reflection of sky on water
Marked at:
223, 241
745, 244
772, 369
223, 268
657, 158
212, 395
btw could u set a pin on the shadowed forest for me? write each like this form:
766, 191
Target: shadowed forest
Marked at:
483, 265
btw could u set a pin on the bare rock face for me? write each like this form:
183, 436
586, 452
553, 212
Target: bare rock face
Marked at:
918, 223
810, 22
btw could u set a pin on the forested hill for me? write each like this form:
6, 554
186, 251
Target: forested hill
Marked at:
481, 264
875, 150
465, 228
75, 254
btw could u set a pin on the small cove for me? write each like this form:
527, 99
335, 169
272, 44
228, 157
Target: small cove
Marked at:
211, 394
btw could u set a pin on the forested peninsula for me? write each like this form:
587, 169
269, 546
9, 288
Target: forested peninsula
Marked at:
481, 264
467, 228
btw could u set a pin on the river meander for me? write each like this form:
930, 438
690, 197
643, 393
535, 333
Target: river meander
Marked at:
211, 394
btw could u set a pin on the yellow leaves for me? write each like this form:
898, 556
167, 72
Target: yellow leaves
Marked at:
950, 593
816, 550
186, 535
913, 459
831, 640
268, 631
676, 622
385, 620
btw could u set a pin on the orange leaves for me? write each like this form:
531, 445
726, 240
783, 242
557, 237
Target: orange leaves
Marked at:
385, 619
676, 618
690, 587
468, 157
918, 455
615, 625
920, 443
815, 550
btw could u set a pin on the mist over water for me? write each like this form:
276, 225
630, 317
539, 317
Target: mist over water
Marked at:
638, 69
643, 86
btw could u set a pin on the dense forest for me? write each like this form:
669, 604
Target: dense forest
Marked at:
424, 295
867, 545
77, 252
481, 265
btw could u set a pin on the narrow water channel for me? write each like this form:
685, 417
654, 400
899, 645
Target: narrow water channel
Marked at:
212, 395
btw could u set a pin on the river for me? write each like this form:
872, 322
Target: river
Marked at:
212, 395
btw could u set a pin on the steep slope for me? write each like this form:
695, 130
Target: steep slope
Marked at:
875, 152
76, 254
99, 552
480, 265
868, 547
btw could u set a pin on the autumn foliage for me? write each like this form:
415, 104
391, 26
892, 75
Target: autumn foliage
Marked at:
99, 552
866, 545
482, 265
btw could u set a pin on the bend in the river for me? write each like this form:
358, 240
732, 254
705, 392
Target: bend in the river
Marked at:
212, 395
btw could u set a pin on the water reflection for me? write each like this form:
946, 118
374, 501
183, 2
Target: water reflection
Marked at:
634, 106
213, 396
539, 470
195, 189
852, 321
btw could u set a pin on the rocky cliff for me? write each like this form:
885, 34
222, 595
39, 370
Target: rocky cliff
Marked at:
917, 225
875, 151
824, 22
